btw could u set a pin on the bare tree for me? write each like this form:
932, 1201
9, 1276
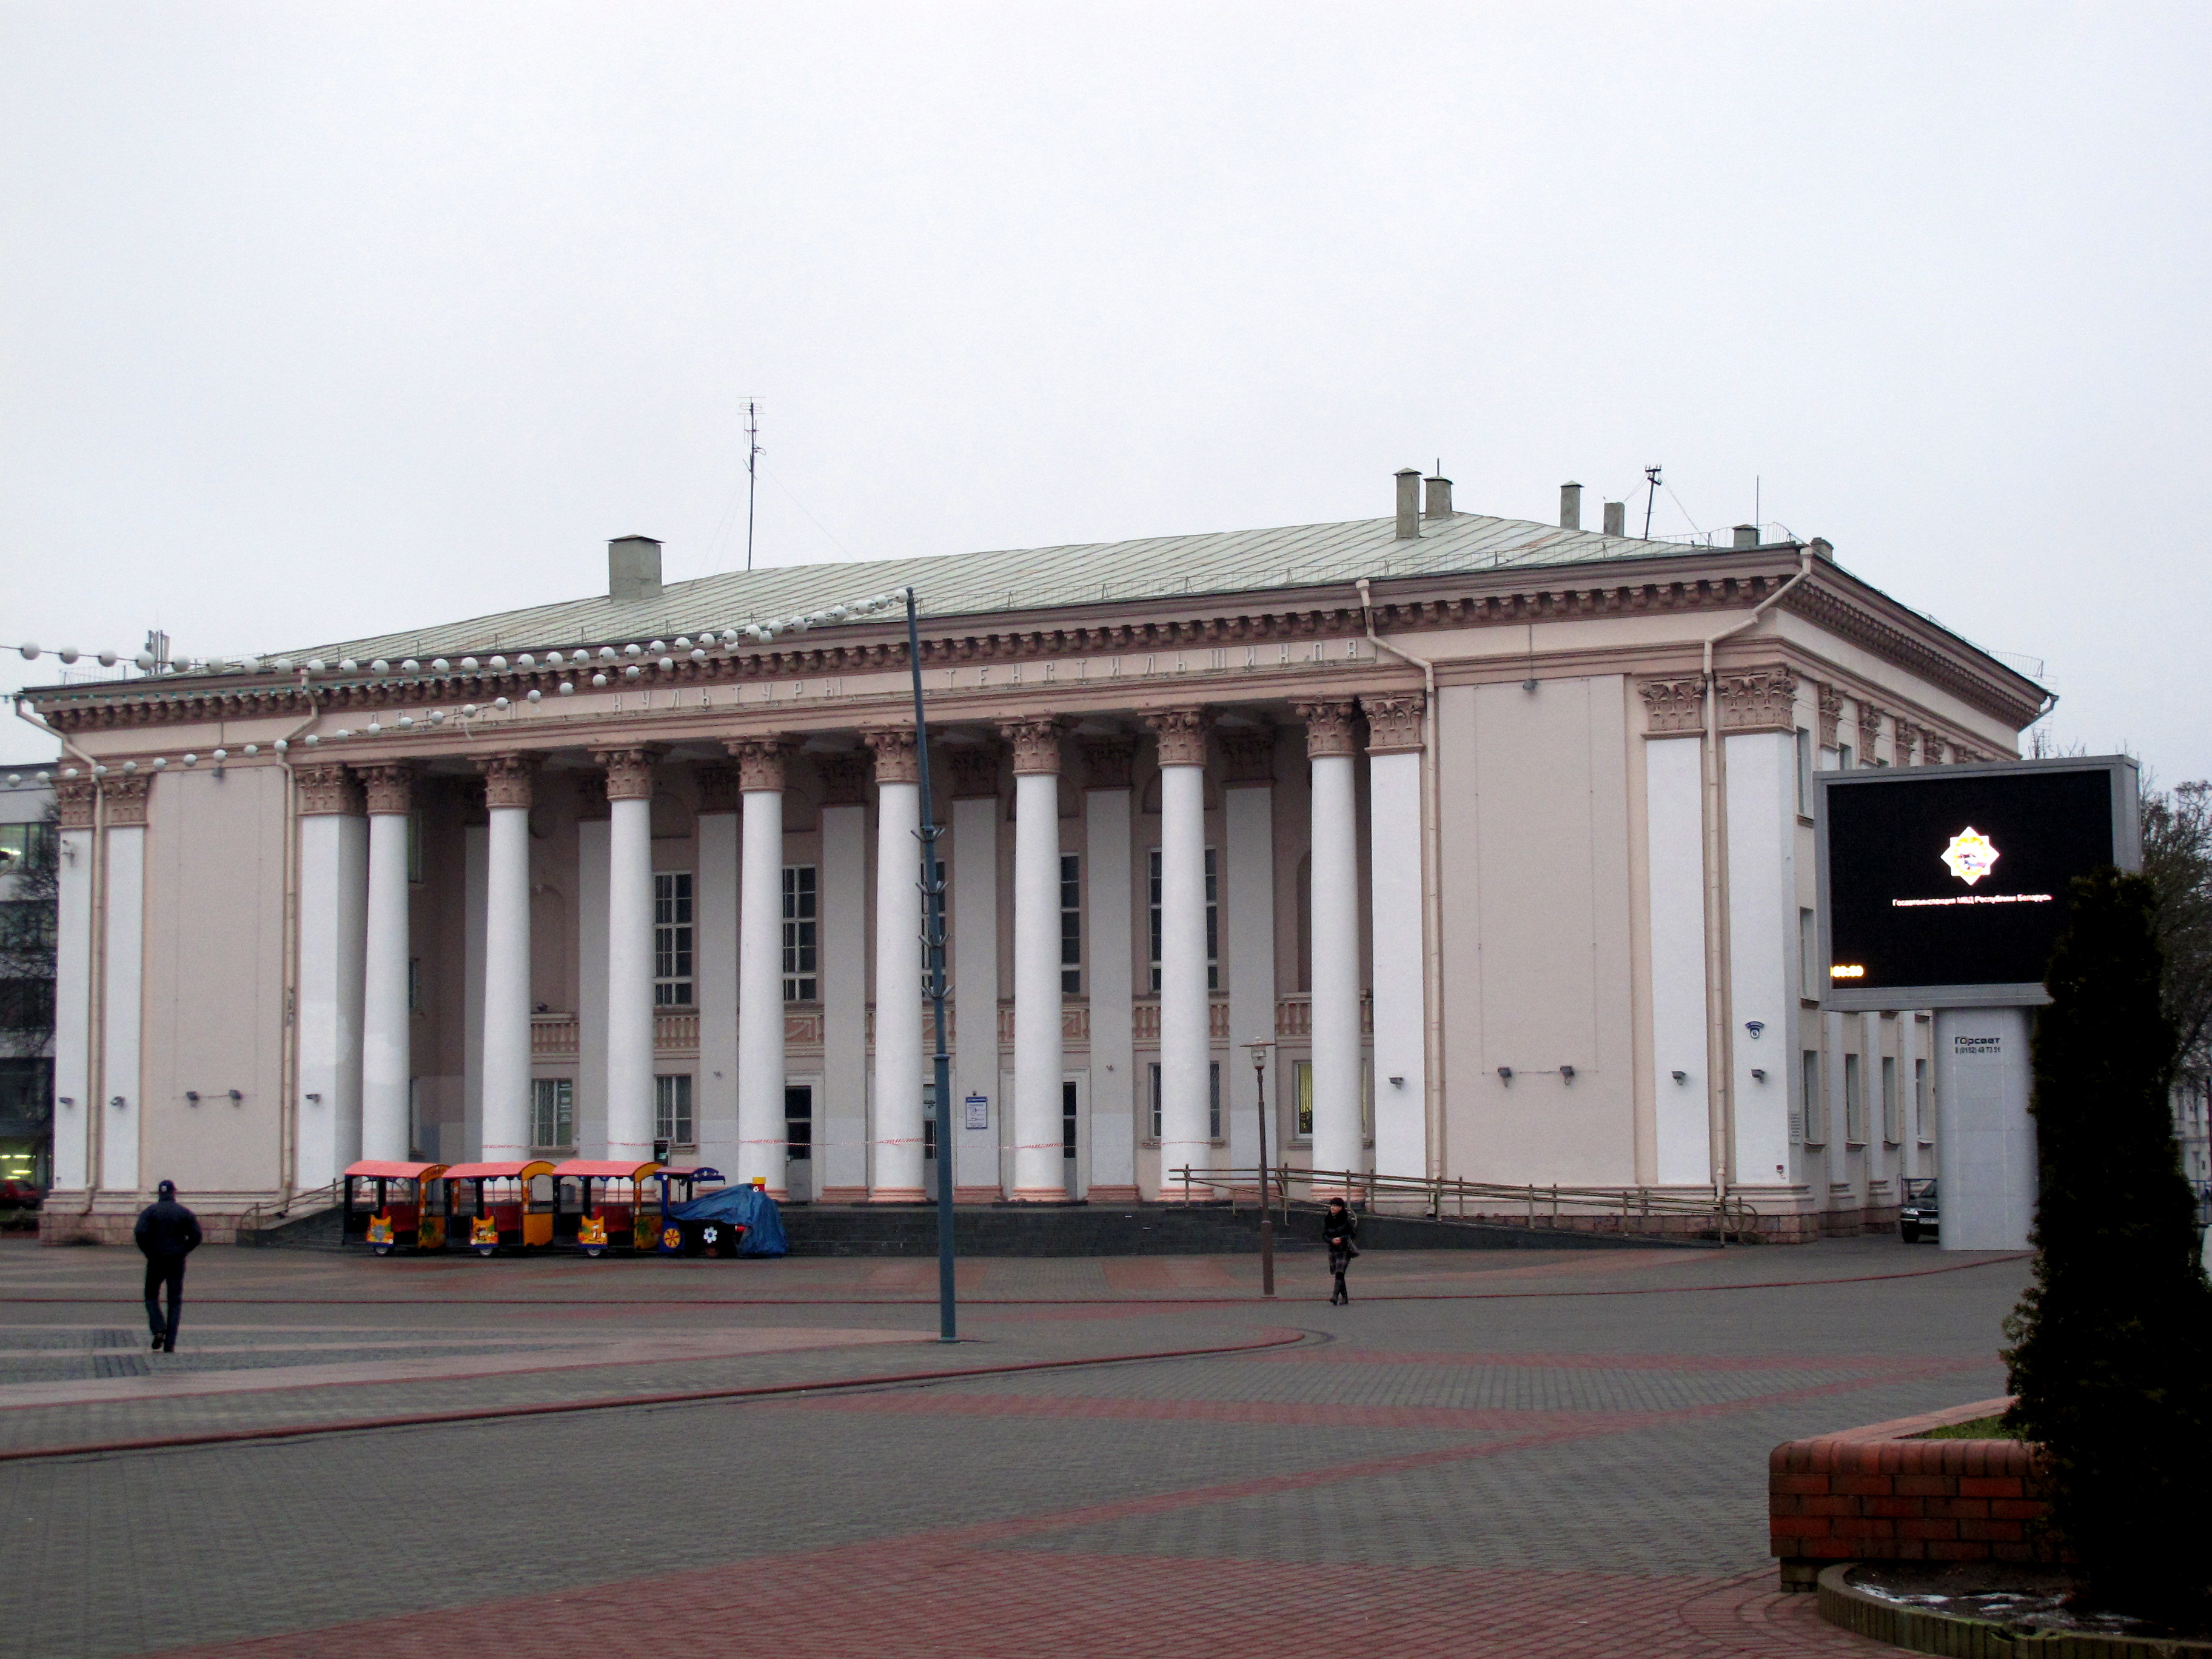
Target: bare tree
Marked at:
2177, 830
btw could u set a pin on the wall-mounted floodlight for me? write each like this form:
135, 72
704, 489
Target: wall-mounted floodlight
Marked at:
1397, 1083
1758, 1076
1505, 1074
192, 1096
1682, 1077
236, 1097
118, 1102
1566, 1075
315, 1099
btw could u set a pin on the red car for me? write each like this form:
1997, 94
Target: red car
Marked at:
20, 1195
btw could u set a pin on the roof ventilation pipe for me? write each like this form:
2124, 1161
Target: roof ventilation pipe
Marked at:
1439, 502
1616, 517
633, 569
1409, 504
1571, 506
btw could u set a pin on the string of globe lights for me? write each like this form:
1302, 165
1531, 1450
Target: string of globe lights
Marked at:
599, 666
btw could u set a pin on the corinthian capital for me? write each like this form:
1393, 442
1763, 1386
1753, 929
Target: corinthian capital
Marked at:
1035, 744
629, 772
1393, 722
895, 760
390, 785
509, 780
1181, 734
1332, 727
761, 762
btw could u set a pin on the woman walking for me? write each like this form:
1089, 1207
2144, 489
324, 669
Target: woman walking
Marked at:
1339, 1228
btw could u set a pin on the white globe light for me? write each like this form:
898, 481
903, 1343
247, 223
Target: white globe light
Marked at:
311, 740
252, 749
469, 664
608, 653
630, 672
698, 655
657, 647
499, 702
534, 694
283, 664
68, 771
379, 666
131, 766
598, 679
632, 650
30, 652
411, 666
144, 660
46, 777
219, 754
346, 665
99, 771
668, 662
440, 665
468, 710
315, 664
107, 659
343, 732
405, 722
251, 665
682, 643
499, 662
437, 717
567, 687
373, 727
160, 763
281, 744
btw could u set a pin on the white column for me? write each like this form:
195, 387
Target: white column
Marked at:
760, 1148
591, 1105
1114, 1090
1186, 1003
980, 1171
1399, 923
123, 977
1247, 938
1040, 1173
841, 1117
507, 957
75, 1110
333, 921
896, 1173
1985, 1149
1337, 1141
1761, 812
387, 1058
1674, 842
630, 952
715, 917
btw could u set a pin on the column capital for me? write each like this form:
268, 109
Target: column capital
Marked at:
844, 776
328, 789
126, 799
1869, 727
1247, 754
1762, 699
1672, 705
389, 784
1110, 763
74, 797
629, 771
1393, 722
761, 762
893, 748
1332, 727
718, 787
974, 770
508, 779
1035, 744
1831, 716
1181, 734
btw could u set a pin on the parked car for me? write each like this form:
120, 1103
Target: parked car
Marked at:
1918, 1219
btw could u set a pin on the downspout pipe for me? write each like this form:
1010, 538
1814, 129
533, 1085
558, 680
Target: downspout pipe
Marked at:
287, 1071
1720, 1073
1432, 1024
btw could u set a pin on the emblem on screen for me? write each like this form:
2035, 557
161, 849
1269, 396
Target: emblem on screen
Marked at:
1971, 855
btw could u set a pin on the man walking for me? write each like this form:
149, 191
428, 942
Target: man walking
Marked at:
167, 1233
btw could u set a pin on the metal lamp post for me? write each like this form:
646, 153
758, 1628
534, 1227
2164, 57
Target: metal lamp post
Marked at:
1259, 1052
932, 935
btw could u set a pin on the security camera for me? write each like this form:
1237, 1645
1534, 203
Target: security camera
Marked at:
1754, 1026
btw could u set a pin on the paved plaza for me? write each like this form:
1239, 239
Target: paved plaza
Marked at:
1487, 1453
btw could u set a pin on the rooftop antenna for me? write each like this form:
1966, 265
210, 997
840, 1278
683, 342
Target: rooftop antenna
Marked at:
1651, 499
752, 473
1755, 508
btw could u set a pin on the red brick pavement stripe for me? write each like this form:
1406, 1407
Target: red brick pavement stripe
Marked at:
1580, 1362
414, 1419
1475, 1419
928, 1599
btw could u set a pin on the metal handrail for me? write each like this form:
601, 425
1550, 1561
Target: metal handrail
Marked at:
324, 1197
1449, 1199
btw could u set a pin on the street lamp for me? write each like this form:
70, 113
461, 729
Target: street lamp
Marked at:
1259, 1053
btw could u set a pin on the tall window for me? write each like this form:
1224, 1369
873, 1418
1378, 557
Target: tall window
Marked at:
799, 927
1804, 772
1845, 758
1067, 1121
672, 1109
1812, 1109
1893, 1129
1302, 1087
1071, 924
1920, 1102
1809, 976
799, 1121
1213, 921
552, 1111
1853, 1102
671, 940
1213, 1105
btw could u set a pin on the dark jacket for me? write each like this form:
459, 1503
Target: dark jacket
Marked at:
1339, 1225
166, 1230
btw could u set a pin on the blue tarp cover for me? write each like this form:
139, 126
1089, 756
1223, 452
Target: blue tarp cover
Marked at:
744, 1207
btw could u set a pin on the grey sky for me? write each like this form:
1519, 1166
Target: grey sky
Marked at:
321, 320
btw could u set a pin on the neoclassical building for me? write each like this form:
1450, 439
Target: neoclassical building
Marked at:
1497, 831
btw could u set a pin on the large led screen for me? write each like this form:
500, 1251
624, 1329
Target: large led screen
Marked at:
1951, 881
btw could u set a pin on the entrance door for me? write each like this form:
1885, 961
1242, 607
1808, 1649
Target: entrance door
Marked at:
798, 1137
1070, 1137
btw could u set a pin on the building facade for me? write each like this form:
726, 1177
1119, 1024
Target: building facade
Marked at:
1498, 831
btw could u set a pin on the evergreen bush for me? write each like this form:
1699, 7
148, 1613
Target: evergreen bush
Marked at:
2112, 1344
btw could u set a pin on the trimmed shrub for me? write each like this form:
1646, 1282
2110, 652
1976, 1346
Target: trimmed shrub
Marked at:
2111, 1355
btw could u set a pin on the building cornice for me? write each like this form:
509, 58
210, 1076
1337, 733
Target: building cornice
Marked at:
1672, 585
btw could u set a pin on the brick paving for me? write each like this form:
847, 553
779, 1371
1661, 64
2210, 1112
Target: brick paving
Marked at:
1524, 1454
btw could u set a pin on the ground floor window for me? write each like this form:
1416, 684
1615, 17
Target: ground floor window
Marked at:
799, 1121
552, 1111
800, 923
1812, 1102
1068, 1119
1301, 1093
1213, 1100
672, 1111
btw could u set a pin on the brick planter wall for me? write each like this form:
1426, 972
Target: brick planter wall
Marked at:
1878, 1494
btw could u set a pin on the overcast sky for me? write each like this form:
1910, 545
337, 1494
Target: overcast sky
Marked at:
323, 319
